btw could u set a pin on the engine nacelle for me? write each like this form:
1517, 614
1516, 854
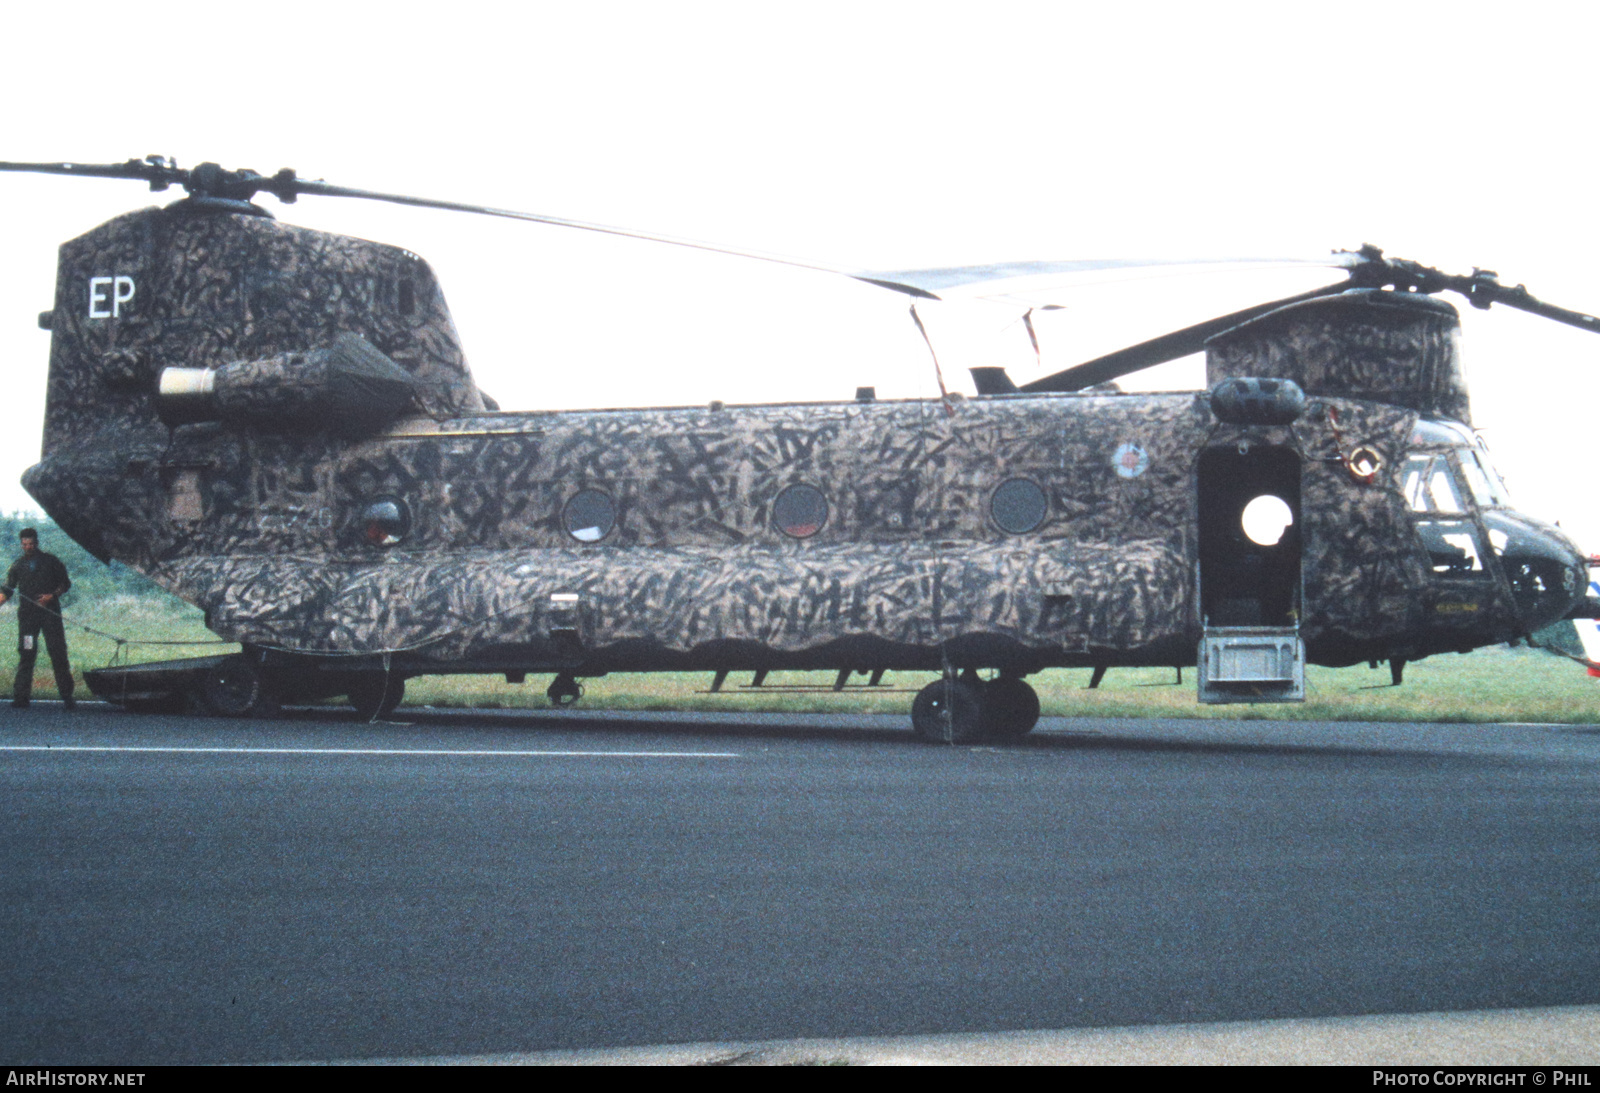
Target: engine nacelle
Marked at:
348, 387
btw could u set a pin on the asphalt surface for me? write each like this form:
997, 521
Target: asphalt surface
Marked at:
184, 890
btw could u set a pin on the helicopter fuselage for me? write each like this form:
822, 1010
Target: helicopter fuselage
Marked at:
278, 425
1016, 533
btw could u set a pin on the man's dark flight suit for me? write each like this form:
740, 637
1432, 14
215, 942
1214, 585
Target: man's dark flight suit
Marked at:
34, 575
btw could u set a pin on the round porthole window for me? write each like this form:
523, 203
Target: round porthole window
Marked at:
800, 511
589, 516
1018, 506
385, 522
1265, 519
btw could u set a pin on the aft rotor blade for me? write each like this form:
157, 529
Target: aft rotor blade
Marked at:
160, 173
1168, 347
208, 179
327, 190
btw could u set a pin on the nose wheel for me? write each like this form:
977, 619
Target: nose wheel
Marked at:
965, 710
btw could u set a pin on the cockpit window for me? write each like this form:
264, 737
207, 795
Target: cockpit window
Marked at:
1477, 481
1487, 486
1429, 485
1453, 547
1430, 431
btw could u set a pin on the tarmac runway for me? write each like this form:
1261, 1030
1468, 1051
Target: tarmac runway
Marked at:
497, 885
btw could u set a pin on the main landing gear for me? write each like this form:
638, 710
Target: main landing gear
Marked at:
375, 695
965, 709
237, 686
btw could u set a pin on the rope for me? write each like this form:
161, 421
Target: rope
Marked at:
119, 653
424, 643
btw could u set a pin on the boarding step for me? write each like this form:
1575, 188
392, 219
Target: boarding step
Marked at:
1252, 664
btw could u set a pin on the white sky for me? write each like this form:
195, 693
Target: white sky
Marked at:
872, 135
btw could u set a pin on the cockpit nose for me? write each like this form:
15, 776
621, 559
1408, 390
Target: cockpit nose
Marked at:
1547, 573
1446, 477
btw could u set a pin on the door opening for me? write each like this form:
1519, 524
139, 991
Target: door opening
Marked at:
1249, 499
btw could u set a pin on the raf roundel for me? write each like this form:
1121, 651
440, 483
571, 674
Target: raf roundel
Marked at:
1130, 460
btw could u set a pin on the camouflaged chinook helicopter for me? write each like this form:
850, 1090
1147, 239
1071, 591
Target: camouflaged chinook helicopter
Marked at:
277, 425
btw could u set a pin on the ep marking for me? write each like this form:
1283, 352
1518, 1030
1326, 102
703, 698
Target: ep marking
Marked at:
121, 291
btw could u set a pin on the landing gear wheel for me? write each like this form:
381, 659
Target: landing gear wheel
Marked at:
376, 694
948, 711
1010, 708
239, 688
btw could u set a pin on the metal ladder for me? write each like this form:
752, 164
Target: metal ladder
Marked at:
1252, 664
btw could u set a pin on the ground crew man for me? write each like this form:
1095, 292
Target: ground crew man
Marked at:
40, 580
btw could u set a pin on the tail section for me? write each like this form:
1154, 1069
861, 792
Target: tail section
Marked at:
186, 286
265, 327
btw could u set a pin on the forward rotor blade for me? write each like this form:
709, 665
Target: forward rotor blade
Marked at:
1042, 273
1522, 300
1482, 287
1168, 347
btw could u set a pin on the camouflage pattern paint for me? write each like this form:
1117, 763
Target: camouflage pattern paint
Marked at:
1399, 348
349, 387
212, 288
261, 520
